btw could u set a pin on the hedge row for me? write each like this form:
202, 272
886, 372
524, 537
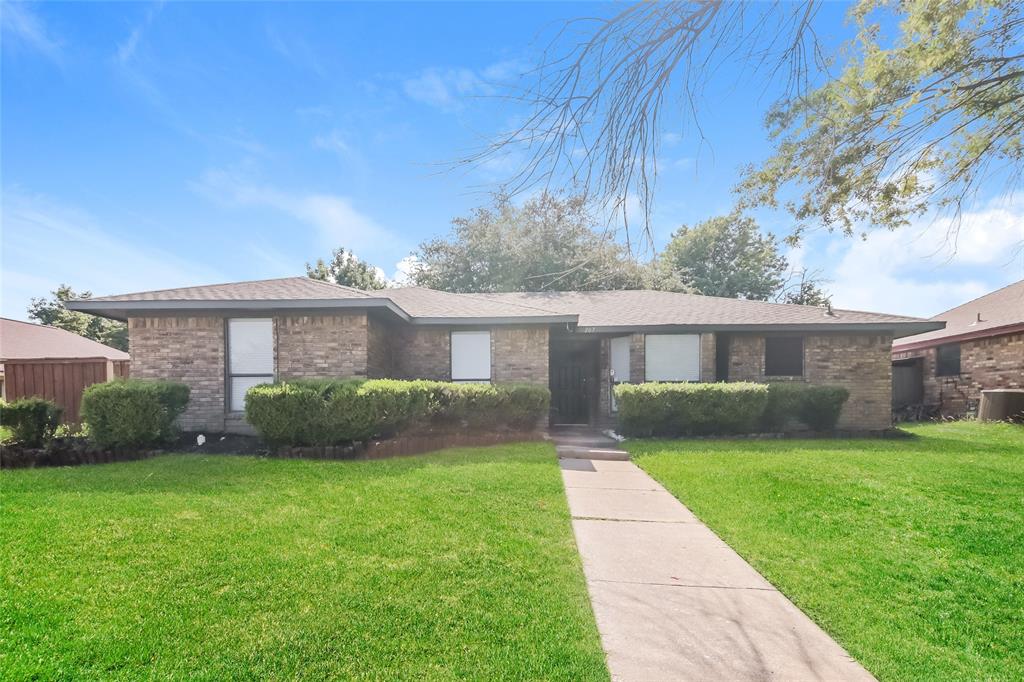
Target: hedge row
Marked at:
336, 411
32, 421
671, 409
133, 412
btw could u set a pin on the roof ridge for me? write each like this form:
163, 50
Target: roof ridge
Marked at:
978, 298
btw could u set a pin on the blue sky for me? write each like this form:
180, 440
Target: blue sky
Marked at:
157, 145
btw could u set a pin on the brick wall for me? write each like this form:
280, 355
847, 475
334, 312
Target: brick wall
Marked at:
322, 346
993, 362
421, 353
185, 349
860, 363
707, 357
380, 348
519, 354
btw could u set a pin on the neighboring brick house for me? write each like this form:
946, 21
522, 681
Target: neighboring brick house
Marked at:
981, 347
222, 339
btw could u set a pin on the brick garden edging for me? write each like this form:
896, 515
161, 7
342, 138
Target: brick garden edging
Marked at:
413, 444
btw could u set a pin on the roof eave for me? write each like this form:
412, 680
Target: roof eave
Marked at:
957, 338
495, 321
898, 329
120, 310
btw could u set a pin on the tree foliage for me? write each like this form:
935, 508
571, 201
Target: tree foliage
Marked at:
345, 269
51, 312
926, 104
728, 256
548, 243
906, 126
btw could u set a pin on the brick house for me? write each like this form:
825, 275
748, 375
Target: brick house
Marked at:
224, 338
981, 347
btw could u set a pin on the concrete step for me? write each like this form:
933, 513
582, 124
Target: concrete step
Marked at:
583, 452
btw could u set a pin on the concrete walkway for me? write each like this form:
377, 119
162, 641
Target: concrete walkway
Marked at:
673, 601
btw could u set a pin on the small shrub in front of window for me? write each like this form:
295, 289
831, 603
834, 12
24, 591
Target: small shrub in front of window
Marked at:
820, 406
671, 409
32, 421
133, 412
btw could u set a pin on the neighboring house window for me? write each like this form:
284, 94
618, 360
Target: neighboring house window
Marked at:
672, 357
947, 360
250, 357
784, 356
471, 356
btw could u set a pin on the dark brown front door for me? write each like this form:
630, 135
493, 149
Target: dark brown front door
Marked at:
573, 383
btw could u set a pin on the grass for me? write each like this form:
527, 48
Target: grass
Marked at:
459, 564
909, 552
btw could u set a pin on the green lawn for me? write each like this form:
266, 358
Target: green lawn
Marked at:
455, 565
909, 552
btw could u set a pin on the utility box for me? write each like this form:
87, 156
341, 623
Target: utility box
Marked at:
1002, 404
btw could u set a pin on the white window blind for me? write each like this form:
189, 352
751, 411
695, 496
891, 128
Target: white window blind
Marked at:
250, 356
619, 364
471, 356
672, 357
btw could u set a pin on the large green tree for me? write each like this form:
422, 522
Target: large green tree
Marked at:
916, 112
550, 243
51, 312
728, 256
345, 269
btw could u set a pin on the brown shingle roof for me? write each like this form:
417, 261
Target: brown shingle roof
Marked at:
596, 310
998, 310
420, 302
25, 341
281, 289
654, 308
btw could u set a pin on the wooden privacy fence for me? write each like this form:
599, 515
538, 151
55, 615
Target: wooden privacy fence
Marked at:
59, 380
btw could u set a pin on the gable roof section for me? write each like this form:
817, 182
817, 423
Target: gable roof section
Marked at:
265, 294
593, 311
26, 341
999, 312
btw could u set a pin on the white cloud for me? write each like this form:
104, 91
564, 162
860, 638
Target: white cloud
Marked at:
21, 26
448, 88
442, 88
334, 217
126, 50
403, 270
47, 244
919, 270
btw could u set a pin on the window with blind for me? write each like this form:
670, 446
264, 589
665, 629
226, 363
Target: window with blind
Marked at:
471, 356
784, 356
947, 360
250, 357
672, 357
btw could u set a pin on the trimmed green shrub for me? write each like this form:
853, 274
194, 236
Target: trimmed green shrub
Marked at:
670, 409
783, 406
32, 421
820, 407
335, 411
133, 412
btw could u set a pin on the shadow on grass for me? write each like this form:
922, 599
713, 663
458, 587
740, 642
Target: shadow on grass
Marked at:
212, 473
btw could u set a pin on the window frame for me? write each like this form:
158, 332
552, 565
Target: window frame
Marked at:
695, 368
940, 371
451, 355
777, 339
230, 375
